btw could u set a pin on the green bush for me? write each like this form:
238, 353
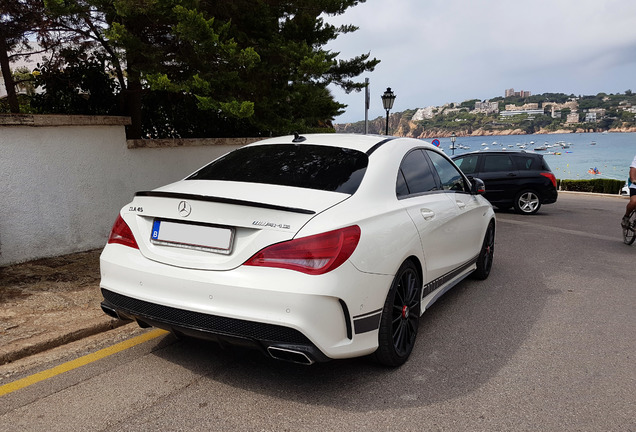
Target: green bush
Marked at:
606, 186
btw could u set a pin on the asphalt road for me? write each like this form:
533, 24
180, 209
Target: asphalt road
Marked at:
547, 343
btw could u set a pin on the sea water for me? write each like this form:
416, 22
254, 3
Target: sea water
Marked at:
610, 153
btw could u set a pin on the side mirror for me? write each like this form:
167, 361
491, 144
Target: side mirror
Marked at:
477, 187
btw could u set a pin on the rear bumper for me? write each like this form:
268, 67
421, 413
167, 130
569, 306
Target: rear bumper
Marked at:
226, 331
549, 196
323, 317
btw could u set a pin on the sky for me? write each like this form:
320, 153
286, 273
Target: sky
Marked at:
434, 52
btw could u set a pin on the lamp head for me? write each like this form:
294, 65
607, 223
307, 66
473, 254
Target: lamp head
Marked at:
388, 98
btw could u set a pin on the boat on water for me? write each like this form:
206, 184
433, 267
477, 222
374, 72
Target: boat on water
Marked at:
594, 171
541, 148
593, 143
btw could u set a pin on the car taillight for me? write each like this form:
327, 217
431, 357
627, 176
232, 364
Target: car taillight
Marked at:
551, 177
122, 234
314, 255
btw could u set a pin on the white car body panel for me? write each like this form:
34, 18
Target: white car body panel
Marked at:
256, 227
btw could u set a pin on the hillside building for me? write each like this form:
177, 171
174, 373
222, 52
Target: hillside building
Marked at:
529, 112
487, 107
573, 117
590, 117
528, 106
512, 93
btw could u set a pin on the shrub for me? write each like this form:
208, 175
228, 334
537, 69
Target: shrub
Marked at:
606, 186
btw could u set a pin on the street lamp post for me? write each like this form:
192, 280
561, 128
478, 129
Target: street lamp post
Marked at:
387, 101
453, 138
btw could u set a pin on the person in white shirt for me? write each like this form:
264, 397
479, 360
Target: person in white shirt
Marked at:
631, 205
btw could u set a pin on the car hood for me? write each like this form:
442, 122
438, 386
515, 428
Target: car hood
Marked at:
256, 215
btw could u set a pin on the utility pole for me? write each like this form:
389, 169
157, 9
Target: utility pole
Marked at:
367, 99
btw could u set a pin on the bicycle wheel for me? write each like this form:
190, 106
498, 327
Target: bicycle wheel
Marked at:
629, 233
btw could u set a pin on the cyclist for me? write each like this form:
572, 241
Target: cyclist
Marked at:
631, 205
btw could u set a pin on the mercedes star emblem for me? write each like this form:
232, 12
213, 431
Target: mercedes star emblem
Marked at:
184, 209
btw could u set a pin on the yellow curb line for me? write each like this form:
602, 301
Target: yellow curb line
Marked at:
73, 364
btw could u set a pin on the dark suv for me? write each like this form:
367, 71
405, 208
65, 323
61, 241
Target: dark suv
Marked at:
513, 178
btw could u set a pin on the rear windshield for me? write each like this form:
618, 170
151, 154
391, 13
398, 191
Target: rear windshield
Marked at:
307, 166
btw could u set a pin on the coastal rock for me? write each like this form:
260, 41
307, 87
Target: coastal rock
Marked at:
399, 126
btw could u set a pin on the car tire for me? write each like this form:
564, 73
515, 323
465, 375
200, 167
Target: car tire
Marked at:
400, 317
486, 254
527, 202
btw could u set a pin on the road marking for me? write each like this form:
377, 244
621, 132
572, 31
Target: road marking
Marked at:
82, 361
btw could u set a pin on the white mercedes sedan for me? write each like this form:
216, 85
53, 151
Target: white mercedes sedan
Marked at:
308, 248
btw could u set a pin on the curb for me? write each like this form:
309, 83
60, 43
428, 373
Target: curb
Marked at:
594, 194
10, 354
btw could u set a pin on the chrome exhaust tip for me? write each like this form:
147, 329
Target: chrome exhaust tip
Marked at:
289, 355
110, 311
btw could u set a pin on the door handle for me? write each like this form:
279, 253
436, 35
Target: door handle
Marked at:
427, 214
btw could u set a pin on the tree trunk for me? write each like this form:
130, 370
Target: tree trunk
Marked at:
133, 104
5, 68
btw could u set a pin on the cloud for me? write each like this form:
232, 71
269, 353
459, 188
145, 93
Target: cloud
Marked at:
439, 51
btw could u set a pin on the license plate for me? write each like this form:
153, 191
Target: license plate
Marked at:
192, 236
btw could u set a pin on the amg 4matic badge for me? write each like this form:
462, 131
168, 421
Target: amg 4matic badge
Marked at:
271, 225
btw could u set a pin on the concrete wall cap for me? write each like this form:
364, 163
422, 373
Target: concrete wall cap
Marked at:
189, 142
48, 120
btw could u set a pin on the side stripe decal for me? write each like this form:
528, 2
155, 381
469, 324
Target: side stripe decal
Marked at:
433, 285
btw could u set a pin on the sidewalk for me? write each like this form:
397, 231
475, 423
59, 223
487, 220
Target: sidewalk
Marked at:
50, 302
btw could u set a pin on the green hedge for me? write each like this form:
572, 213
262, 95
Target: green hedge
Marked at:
606, 186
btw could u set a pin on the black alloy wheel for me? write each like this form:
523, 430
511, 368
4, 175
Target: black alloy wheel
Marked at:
486, 254
400, 317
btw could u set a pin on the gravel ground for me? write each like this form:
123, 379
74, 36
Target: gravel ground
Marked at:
49, 302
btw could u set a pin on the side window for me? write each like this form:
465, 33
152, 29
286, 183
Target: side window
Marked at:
449, 175
468, 164
415, 175
494, 163
401, 188
526, 163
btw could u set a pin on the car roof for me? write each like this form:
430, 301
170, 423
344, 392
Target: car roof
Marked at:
502, 151
363, 143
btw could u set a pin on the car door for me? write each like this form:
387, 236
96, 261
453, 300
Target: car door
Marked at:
470, 209
432, 212
500, 175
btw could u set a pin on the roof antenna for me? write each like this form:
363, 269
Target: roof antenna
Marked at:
298, 138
